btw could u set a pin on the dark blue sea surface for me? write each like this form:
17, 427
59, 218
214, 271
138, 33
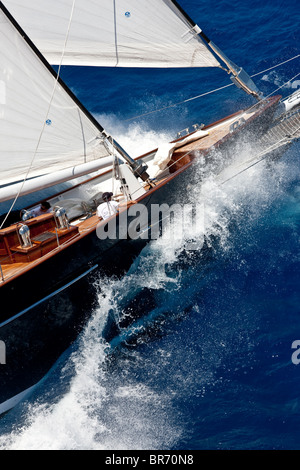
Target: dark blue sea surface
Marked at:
209, 364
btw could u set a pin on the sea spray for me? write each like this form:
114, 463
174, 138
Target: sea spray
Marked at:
132, 400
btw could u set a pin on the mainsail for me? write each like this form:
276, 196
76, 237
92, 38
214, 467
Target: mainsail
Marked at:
125, 33
43, 128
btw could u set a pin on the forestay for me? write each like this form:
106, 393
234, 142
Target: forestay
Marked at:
131, 33
35, 138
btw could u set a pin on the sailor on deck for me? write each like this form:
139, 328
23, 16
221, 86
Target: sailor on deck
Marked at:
108, 207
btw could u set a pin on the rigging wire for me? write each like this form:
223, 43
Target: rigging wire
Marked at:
277, 89
262, 156
276, 143
46, 117
141, 115
266, 151
206, 93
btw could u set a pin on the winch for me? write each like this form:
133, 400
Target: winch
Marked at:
24, 236
61, 218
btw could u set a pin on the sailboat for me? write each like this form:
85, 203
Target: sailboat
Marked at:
49, 139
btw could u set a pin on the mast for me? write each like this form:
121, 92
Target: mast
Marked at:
239, 77
139, 168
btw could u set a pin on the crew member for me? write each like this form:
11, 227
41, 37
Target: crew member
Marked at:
108, 207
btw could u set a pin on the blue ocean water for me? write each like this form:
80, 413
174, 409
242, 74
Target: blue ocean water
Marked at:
210, 364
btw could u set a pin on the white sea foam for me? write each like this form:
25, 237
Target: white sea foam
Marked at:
134, 138
114, 409
275, 78
101, 410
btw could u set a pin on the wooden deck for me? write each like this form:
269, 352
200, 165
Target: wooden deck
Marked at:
216, 134
47, 240
18, 260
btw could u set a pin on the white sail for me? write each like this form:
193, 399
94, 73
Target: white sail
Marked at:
125, 33
37, 138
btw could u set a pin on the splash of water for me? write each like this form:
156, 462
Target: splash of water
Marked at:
137, 139
114, 406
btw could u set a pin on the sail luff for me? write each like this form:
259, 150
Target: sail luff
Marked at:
184, 13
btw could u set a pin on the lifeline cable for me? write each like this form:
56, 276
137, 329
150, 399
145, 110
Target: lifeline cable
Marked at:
263, 156
205, 94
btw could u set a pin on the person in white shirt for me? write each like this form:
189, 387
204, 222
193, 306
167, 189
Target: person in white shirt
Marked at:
108, 207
